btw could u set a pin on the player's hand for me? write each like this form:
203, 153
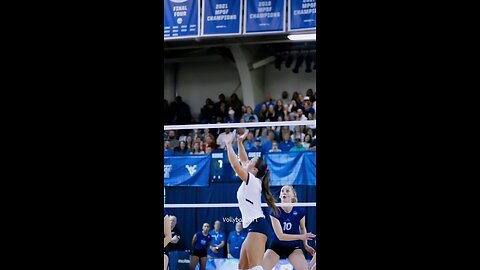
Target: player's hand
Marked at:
214, 250
242, 137
310, 250
308, 236
229, 139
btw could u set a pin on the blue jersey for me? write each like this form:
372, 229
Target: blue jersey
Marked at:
290, 223
202, 241
235, 242
217, 238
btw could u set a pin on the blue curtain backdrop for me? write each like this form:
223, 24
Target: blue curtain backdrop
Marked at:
190, 221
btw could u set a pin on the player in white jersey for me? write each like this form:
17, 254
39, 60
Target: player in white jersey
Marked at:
255, 182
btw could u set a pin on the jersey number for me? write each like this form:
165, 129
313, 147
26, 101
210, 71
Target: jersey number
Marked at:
220, 163
287, 226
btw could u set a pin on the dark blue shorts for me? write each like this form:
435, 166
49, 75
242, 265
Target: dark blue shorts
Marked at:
258, 225
200, 253
283, 250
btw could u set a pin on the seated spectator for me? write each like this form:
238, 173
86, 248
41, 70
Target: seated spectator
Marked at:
298, 146
189, 143
298, 134
267, 144
274, 147
217, 244
306, 141
262, 114
258, 145
268, 100
235, 241
285, 111
209, 142
236, 105
249, 141
181, 149
196, 149
208, 150
270, 115
221, 140
286, 144
222, 112
301, 116
310, 95
181, 111
279, 108
207, 113
264, 134
249, 114
167, 151
285, 99
308, 108
293, 106
313, 145
218, 105
231, 117
173, 139
182, 135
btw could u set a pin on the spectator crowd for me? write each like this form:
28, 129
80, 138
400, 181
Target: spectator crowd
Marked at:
264, 139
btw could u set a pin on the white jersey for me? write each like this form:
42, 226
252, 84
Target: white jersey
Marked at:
249, 197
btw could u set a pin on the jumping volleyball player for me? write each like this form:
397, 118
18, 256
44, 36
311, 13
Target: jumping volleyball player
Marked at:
290, 230
255, 181
167, 236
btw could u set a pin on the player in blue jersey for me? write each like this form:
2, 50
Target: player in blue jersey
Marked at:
200, 244
290, 231
167, 236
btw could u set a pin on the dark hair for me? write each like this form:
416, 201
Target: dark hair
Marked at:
264, 174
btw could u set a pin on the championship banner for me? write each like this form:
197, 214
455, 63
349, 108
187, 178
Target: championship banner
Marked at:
302, 15
221, 17
181, 18
192, 171
292, 168
262, 16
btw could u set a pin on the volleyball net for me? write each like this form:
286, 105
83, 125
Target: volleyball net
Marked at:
200, 186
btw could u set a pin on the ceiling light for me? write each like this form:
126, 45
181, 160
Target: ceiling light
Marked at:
303, 37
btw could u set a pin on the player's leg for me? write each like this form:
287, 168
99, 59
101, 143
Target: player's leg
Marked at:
203, 263
243, 261
193, 262
256, 249
270, 259
297, 260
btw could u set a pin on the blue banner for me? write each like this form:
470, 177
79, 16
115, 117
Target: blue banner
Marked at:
193, 171
292, 168
264, 16
180, 18
302, 15
221, 17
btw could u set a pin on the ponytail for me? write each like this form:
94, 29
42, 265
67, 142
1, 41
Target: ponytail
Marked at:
264, 174
267, 194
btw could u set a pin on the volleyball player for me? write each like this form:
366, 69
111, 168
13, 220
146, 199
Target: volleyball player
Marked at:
167, 236
290, 230
255, 181
200, 244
